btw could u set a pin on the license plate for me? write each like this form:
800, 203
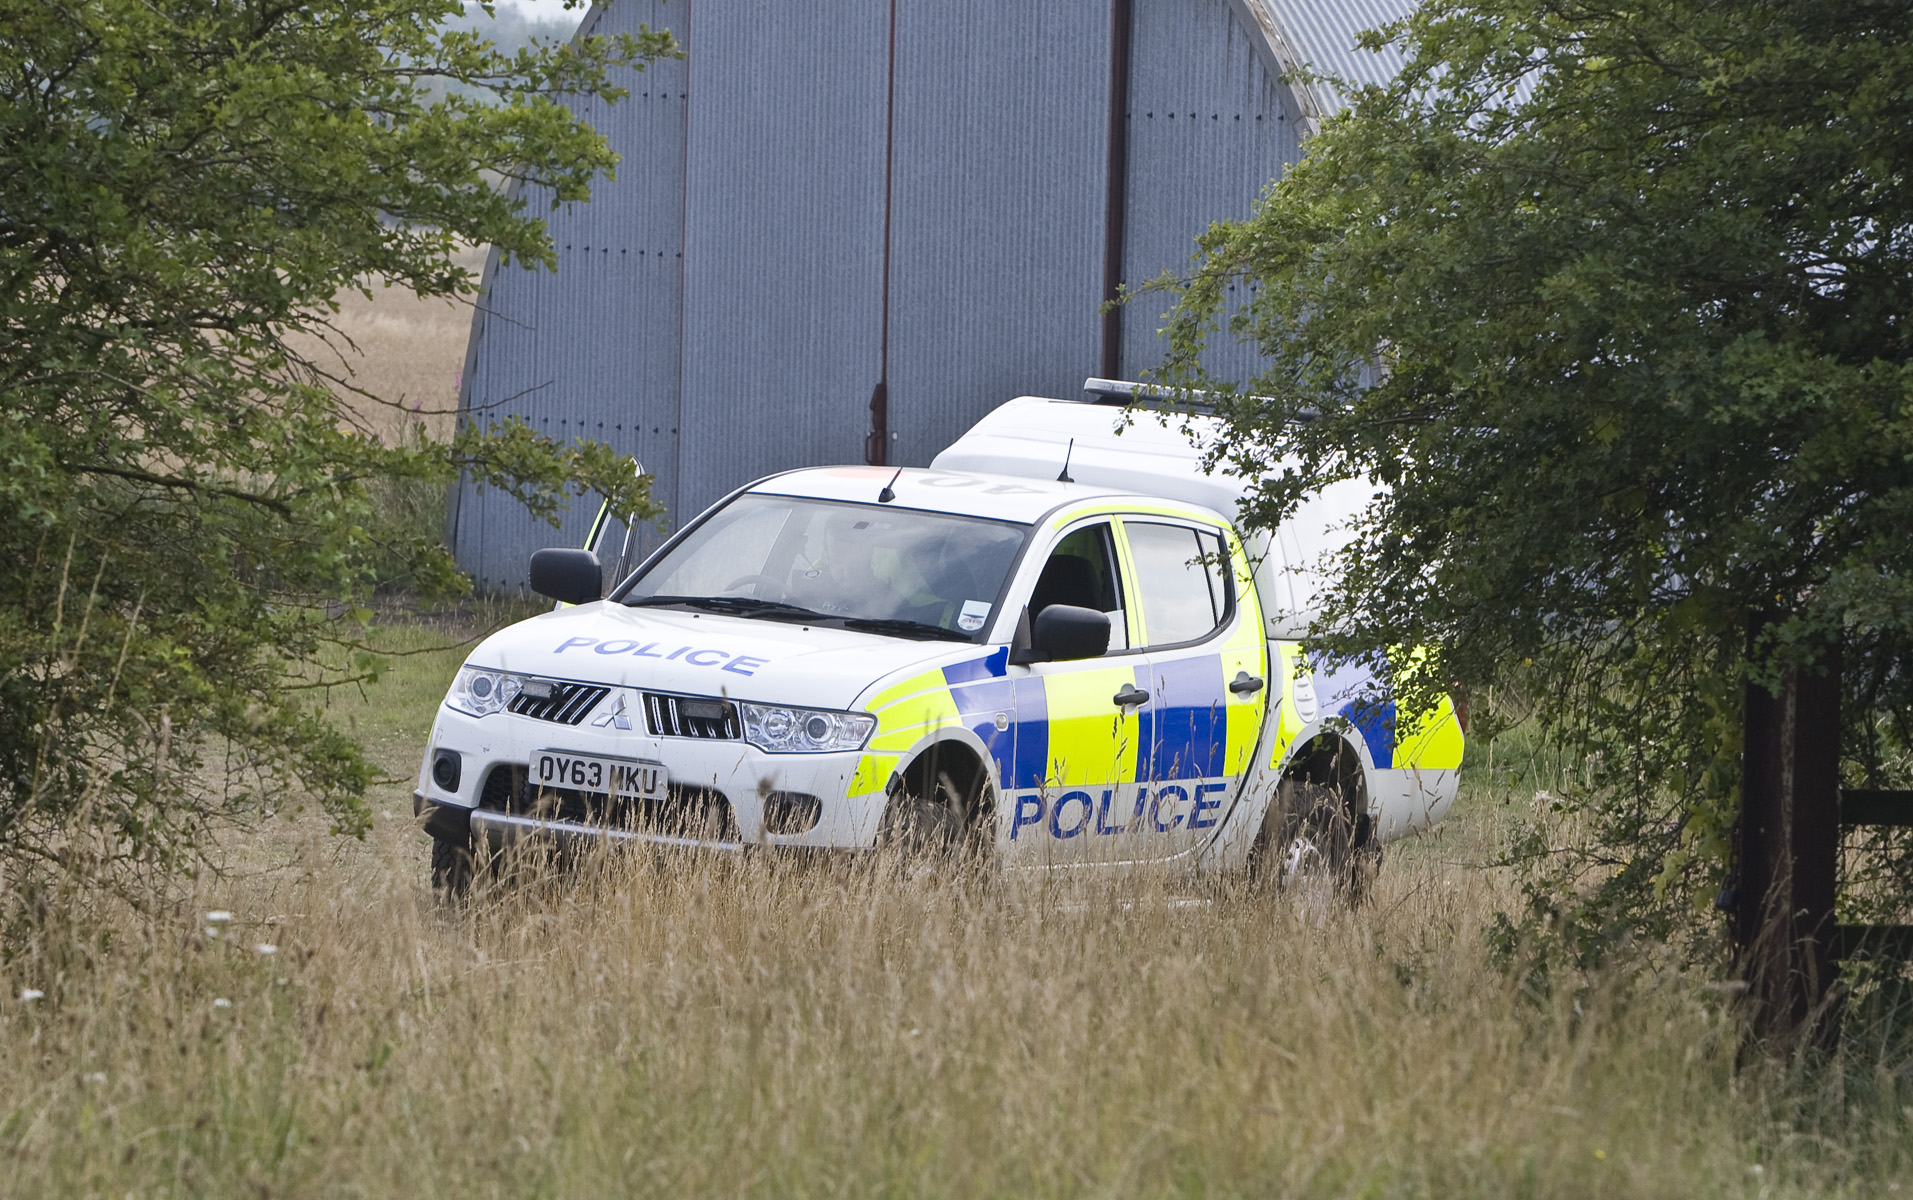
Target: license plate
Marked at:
621, 777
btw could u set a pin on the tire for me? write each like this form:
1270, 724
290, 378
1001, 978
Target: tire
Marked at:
1310, 837
452, 867
939, 826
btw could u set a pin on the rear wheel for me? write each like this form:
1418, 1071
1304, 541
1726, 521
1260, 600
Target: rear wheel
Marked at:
1311, 836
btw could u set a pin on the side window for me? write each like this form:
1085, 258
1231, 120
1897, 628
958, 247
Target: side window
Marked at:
1183, 576
1081, 571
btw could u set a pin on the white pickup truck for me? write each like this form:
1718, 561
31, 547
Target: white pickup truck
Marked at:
1052, 646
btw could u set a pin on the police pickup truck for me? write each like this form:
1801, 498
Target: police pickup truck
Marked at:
1051, 646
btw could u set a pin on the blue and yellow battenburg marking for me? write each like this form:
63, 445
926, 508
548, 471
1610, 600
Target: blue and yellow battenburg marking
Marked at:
1066, 758
1429, 741
1059, 736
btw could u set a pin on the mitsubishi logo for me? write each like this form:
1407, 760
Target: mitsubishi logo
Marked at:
618, 716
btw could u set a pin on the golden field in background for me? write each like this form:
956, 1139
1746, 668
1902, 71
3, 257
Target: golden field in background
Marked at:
404, 351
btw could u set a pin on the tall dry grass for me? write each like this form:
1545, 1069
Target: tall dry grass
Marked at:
719, 1026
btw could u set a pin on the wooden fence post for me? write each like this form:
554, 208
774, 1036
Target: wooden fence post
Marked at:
1787, 849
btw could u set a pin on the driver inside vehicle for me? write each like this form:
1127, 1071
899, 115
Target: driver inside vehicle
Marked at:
861, 572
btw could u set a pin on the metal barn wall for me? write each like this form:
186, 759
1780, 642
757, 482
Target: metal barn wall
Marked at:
593, 350
719, 310
999, 167
783, 238
1208, 129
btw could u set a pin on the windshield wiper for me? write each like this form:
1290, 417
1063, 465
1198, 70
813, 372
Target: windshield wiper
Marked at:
900, 627
743, 606
778, 608
723, 604
752, 606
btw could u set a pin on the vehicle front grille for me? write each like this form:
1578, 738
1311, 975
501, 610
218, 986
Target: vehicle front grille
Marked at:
501, 788
691, 716
684, 811
567, 703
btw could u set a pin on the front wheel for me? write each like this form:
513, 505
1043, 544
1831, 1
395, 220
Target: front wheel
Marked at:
452, 866
940, 825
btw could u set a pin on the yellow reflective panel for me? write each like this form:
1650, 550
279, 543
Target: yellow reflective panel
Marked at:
902, 724
1132, 593
872, 774
922, 682
1244, 712
1433, 743
1249, 629
1431, 740
1091, 741
1289, 666
1244, 650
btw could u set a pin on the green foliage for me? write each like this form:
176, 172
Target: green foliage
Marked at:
1611, 305
510, 29
189, 519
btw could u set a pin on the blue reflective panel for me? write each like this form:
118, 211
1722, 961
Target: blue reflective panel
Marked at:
1191, 725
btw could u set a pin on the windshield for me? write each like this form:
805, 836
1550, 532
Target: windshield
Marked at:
888, 570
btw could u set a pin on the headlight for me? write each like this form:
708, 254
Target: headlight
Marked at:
481, 692
782, 730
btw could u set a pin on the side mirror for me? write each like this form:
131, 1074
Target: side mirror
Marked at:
567, 576
1063, 632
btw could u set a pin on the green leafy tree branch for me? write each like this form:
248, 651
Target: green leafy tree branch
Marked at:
1611, 305
186, 531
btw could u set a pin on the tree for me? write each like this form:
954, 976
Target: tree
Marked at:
185, 530
1611, 302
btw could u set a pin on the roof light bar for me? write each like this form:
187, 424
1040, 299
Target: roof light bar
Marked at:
1123, 392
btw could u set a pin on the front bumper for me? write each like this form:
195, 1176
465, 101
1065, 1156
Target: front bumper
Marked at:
743, 777
502, 829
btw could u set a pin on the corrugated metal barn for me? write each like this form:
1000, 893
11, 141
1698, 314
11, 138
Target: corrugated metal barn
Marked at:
844, 230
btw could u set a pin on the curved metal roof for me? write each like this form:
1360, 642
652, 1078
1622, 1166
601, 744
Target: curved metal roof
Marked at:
1320, 35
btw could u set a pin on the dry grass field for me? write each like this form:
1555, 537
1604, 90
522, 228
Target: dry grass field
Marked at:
709, 1026
405, 351
310, 1022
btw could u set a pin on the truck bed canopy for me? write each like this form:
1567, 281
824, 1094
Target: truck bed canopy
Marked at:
1159, 453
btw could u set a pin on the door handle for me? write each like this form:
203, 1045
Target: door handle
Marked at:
1246, 684
1130, 694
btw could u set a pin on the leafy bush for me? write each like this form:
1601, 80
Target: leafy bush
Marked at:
189, 522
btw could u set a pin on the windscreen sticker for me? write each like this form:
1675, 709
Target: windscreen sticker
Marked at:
974, 613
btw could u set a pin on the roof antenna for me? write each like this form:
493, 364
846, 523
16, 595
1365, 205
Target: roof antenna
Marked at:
1062, 476
886, 495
